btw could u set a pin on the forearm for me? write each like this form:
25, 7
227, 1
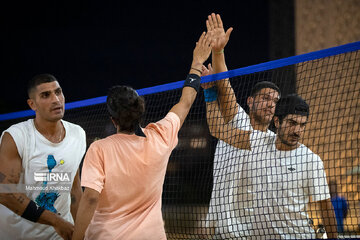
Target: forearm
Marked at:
214, 119
223, 131
18, 202
226, 95
328, 218
85, 213
75, 201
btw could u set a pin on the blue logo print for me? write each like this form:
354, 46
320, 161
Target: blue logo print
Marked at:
47, 199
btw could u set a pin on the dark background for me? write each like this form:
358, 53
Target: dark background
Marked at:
92, 45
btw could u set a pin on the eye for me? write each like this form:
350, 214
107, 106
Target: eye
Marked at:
45, 95
292, 123
58, 91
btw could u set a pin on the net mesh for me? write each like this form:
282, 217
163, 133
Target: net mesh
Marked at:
202, 196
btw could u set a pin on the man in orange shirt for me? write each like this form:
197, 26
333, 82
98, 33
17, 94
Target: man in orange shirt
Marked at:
123, 174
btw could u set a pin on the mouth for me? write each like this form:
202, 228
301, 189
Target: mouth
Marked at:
269, 112
57, 109
294, 138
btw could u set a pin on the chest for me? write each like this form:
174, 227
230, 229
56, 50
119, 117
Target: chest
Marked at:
272, 172
43, 157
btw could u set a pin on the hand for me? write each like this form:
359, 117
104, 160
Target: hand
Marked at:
207, 71
215, 26
64, 228
202, 50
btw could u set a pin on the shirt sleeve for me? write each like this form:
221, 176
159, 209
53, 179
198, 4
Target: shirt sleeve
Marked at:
167, 128
241, 120
318, 187
259, 140
93, 174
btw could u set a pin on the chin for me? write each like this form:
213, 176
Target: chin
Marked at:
57, 117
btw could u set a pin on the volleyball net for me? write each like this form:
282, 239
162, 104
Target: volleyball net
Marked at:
203, 193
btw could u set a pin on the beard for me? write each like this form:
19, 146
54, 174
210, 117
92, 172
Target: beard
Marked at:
260, 118
283, 140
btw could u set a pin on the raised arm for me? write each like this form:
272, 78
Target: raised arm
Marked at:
225, 132
192, 83
19, 203
226, 95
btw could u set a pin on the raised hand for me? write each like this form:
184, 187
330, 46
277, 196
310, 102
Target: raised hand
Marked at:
215, 26
202, 50
207, 71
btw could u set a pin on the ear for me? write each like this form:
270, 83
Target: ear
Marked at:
31, 104
276, 122
250, 102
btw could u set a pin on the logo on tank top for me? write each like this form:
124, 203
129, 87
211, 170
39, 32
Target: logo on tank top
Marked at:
47, 198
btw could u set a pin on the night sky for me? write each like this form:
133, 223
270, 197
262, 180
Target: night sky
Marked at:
91, 45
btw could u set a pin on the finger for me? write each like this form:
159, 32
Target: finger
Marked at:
207, 39
214, 19
228, 32
208, 27
210, 67
211, 22
219, 21
201, 39
203, 68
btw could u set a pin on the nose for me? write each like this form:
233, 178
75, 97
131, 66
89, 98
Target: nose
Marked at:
298, 129
271, 103
55, 98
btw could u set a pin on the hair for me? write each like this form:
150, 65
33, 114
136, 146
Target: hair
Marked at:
125, 107
291, 104
264, 84
39, 79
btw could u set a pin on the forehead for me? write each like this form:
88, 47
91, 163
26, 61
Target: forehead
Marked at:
45, 87
296, 118
268, 91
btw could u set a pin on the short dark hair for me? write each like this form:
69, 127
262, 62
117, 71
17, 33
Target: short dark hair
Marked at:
39, 79
125, 107
291, 104
264, 84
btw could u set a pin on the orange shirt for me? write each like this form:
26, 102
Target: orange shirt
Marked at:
128, 171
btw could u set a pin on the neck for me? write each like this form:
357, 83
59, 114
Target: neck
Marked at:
123, 132
53, 131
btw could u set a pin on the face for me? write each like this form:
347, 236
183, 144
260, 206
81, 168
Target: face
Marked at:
262, 105
291, 130
48, 101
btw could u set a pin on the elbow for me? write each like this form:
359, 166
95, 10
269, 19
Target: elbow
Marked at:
213, 130
92, 201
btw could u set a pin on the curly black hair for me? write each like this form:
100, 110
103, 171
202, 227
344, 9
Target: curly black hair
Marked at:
125, 107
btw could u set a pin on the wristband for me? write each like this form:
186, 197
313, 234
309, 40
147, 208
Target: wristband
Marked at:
32, 212
193, 81
220, 52
210, 94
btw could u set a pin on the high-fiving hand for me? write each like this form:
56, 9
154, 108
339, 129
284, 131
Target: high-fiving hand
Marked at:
215, 26
203, 48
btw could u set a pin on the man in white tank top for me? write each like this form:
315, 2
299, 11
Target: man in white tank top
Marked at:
228, 160
39, 160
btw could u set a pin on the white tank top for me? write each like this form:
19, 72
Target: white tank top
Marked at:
47, 176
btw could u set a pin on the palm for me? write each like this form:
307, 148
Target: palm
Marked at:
219, 36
